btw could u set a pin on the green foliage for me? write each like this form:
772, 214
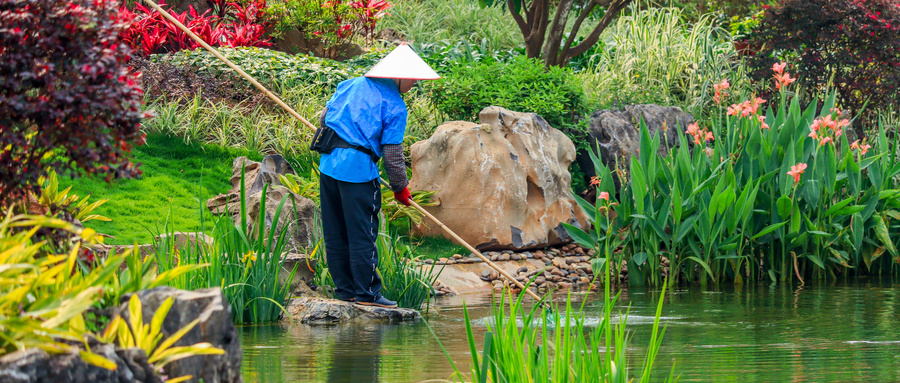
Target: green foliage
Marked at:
269, 66
56, 201
43, 295
535, 345
656, 56
244, 260
521, 85
730, 209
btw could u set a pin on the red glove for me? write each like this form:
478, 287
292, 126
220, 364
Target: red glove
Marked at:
402, 196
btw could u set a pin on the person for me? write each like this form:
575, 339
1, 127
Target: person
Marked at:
369, 117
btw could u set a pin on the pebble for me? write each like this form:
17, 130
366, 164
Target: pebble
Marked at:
515, 257
495, 274
429, 261
565, 285
585, 280
457, 256
503, 257
507, 252
528, 255
442, 259
498, 288
579, 250
557, 272
451, 262
494, 257
540, 280
486, 273
522, 269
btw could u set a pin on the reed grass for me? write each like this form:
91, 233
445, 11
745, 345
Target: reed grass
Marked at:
653, 55
452, 21
244, 260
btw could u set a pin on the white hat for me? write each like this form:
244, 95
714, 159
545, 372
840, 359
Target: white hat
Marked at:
403, 63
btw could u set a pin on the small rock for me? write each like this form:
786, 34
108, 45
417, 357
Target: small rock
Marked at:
457, 256
495, 257
450, 262
540, 281
486, 279
528, 255
565, 285
429, 261
503, 257
442, 259
495, 274
507, 251
522, 269
557, 272
486, 273
579, 250
498, 288
515, 257
585, 280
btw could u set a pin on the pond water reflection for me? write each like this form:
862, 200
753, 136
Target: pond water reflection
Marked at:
836, 332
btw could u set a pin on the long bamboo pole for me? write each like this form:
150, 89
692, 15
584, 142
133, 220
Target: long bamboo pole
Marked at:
294, 113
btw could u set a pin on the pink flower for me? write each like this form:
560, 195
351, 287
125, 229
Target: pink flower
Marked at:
720, 90
779, 67
814, 135
754, 107
825, 140
709, 136
796, 171
734, 110
861, 148
604, 196
595, 181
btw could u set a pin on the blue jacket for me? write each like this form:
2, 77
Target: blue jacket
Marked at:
368, 112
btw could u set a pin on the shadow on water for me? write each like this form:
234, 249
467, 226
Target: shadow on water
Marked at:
830, 332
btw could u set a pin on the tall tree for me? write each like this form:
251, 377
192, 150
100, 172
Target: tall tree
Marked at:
546, 38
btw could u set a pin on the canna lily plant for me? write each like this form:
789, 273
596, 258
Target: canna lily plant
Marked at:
773, 193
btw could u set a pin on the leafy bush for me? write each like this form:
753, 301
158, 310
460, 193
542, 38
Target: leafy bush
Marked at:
444, 55
850, 45
67, 99
149, 32
763, 194
521, 85
270, 66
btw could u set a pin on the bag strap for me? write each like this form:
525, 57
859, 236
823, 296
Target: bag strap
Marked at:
341, 143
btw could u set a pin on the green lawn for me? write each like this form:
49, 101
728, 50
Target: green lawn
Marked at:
177, 181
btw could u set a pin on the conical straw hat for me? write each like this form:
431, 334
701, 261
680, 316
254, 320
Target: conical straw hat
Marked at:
403, 63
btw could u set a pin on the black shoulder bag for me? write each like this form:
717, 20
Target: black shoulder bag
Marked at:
326, 140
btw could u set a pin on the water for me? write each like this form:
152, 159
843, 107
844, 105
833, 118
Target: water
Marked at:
838, 333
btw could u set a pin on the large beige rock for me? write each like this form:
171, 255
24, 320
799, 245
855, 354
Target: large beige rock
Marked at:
501, 184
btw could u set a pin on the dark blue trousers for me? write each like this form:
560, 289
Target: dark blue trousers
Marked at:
350, 225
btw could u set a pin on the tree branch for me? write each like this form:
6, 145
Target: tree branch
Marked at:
551, 50
574, 33
518, 18
614, 9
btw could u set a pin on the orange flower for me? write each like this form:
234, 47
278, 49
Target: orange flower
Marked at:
861, 148
709, 136
720, 90
825, 140
604, 196
779, 67
762, 120
692, 129
783, 80
796, 171
595, 181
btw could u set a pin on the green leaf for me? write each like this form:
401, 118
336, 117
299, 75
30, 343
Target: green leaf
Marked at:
784, 205
840, 205
704, 265
768, 229
816, 260
881, 232
640, 258
582, 238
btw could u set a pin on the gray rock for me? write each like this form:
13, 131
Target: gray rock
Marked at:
36, 366
617, 133
486, 273
215, 327
317, 311
503, 257
515, 257
528, 255
522, 269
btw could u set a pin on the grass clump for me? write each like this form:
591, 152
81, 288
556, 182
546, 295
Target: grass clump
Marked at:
245, 260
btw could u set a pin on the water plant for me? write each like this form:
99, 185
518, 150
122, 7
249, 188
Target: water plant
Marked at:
244, 259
